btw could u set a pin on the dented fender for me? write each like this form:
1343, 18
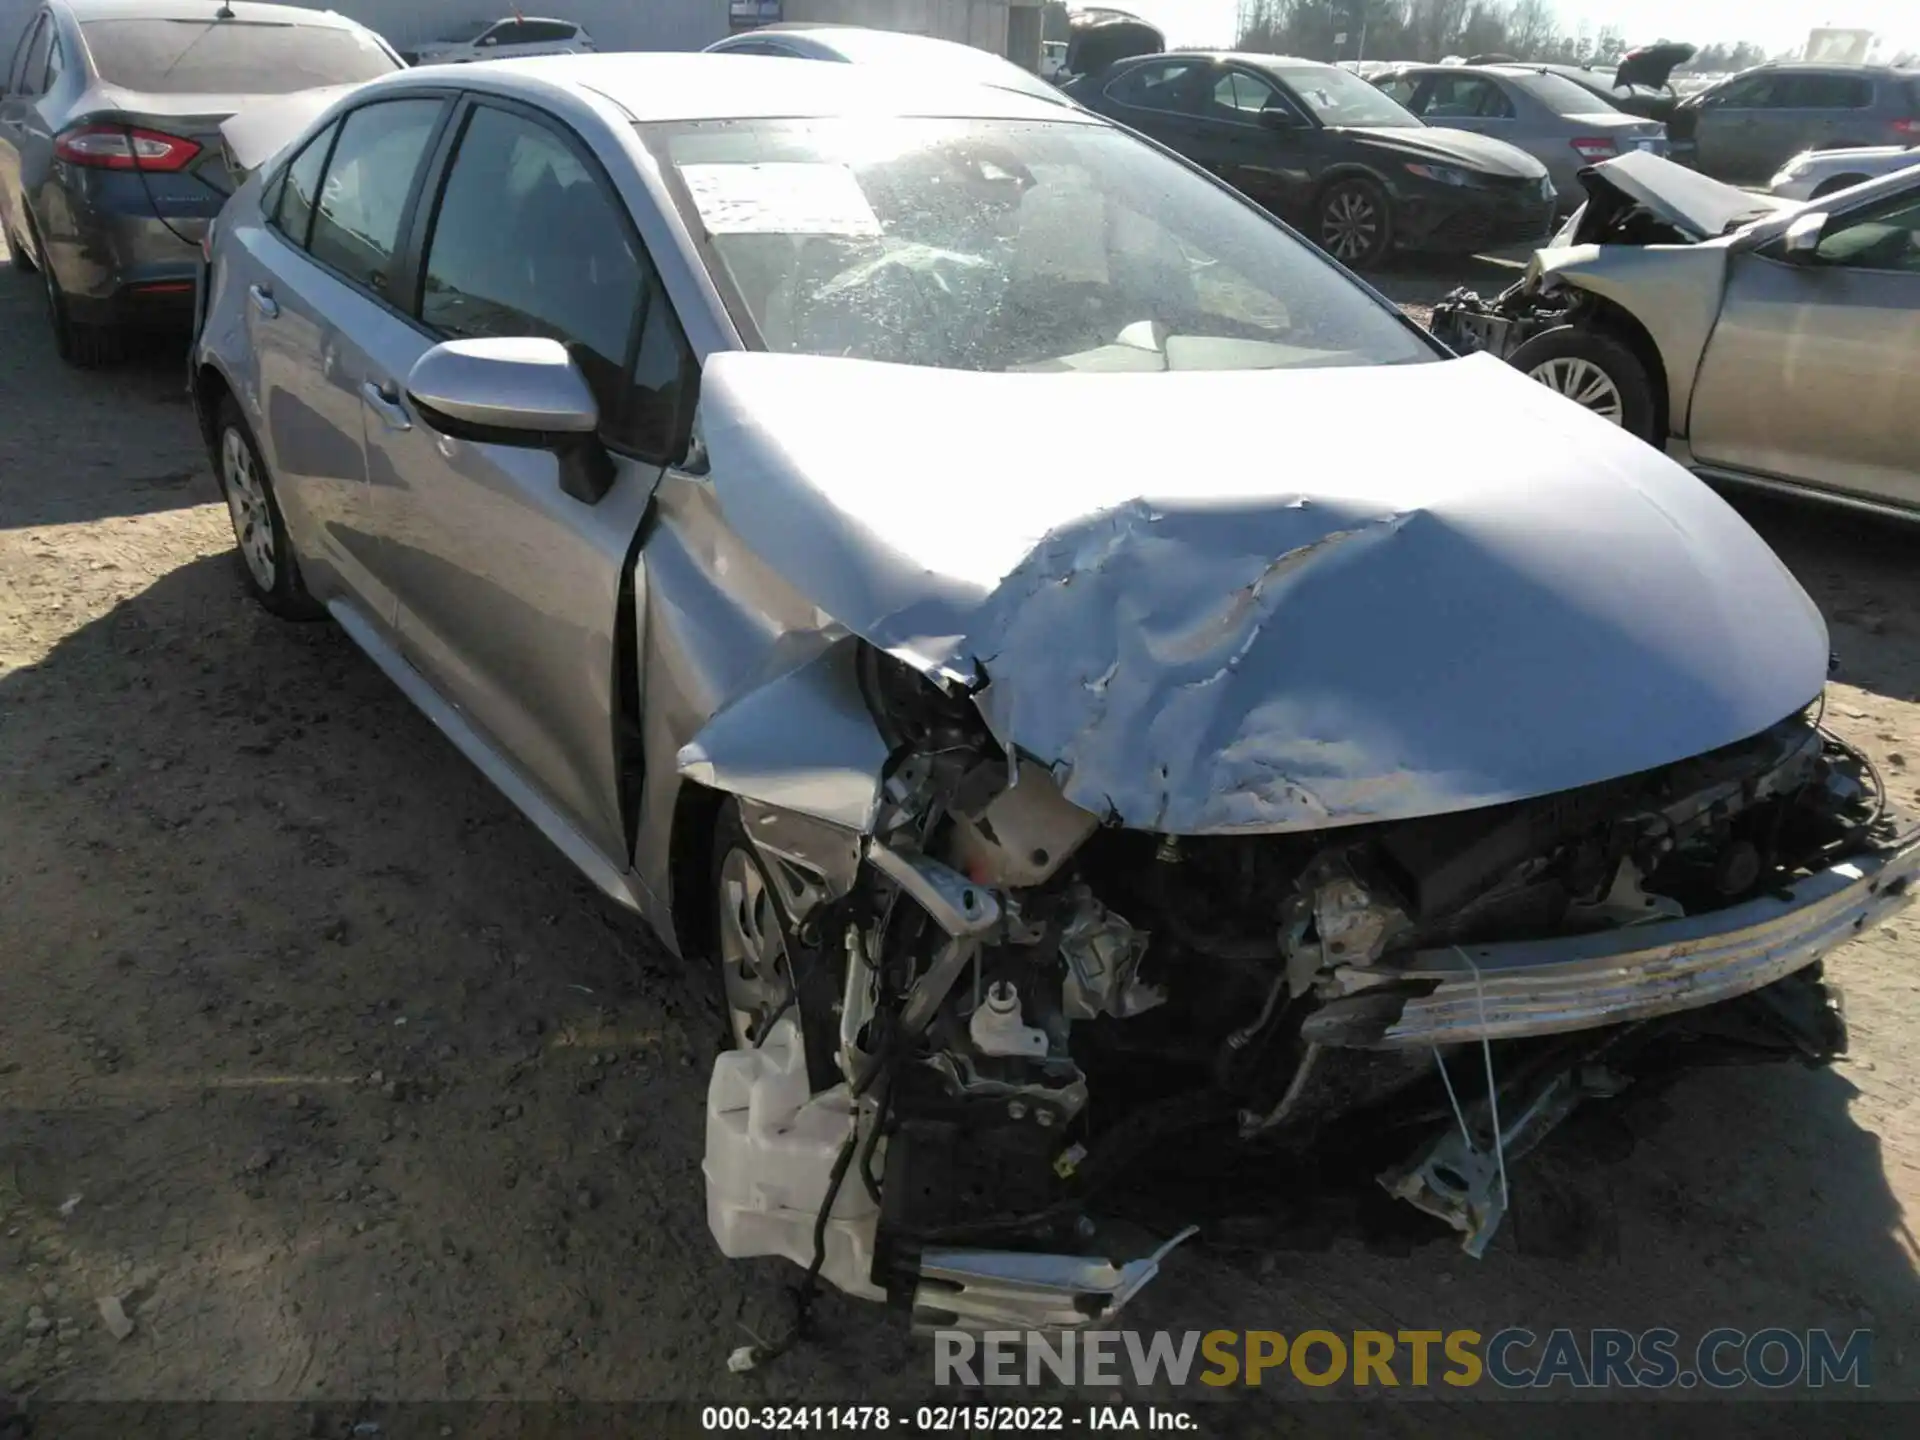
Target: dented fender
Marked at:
1674, 291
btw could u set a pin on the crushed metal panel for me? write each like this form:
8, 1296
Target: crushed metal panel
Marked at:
1685, 199
804, 742
1199, 631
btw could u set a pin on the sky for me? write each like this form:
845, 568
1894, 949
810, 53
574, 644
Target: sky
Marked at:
1776, 24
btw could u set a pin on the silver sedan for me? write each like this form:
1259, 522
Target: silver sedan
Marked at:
908, 544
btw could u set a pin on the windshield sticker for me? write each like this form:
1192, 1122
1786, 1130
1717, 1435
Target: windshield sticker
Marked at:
783, 198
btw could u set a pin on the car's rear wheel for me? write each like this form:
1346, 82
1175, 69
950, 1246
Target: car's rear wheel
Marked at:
85, 347
1595, 371
1354, 223
267, 561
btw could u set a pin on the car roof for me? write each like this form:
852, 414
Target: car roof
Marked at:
243, 12
858, 43
676, 86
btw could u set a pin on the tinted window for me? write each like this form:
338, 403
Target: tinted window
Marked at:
1826, 92
1885, 238
1002, 245
1564, 96
1174, 85
356, 226
663, 376
508, 32
1466, 97
189, 57
528, 242
293, 212
544, 32
56, 63
1755, 92
33, 63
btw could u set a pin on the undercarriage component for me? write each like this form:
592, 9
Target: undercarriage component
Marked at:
1010, 1290
1465, 1182
1103, 954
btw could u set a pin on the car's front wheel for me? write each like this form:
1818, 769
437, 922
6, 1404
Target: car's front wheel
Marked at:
1354, 224
267, 561
1595, 371
754, 942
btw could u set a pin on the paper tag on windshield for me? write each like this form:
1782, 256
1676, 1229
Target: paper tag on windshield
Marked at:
783, 198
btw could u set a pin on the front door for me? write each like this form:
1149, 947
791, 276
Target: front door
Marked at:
1736, 127
509, 589
1809, 375
21, 129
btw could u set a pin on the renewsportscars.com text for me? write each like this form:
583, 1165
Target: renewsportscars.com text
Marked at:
1512, 1358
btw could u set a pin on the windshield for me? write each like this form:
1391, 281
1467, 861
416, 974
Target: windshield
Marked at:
1564, 96
234, 57
1339, 97
1006, 245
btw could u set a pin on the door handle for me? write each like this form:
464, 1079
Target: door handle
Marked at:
263, 301
385, 399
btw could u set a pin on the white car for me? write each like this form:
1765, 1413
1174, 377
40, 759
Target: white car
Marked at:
1815, 173
510, 39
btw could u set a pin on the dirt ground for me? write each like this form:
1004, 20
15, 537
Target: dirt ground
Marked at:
316, 1057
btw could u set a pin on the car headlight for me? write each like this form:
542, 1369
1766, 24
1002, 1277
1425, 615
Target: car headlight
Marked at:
1440, 174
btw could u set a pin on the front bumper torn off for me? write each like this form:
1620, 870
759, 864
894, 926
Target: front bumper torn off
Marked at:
1500, 992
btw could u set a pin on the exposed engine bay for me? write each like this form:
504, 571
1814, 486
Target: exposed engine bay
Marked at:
999, 1028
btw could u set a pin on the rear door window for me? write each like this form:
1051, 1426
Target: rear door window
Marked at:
1826, 92
356, 224
228, 57
1466, 97
1171, 85
508, 32
545, 32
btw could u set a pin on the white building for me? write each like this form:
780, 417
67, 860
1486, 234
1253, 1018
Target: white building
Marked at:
1006, 27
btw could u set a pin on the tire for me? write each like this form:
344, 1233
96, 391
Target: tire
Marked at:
1353, 222
268, 565
85, 347
1838, 182
1595, 371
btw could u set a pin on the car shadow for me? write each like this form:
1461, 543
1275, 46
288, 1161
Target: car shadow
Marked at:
118, 432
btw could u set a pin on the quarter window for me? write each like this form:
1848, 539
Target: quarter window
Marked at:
528, 241
293, 209
33, 64
356, 225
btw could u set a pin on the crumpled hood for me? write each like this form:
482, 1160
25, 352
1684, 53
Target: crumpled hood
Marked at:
1454, 147
1218, 602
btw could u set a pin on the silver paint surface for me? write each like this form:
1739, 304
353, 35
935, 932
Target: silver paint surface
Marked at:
1207, 611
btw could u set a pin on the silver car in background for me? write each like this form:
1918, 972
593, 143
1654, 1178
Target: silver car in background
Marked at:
906, 542
1815, 174
110, 154
940, 61
1565, 126
1761, 342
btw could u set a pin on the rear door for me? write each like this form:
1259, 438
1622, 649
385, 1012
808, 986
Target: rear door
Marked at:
1818, 110
509, 589
1810, 374
320, 296
1168, 100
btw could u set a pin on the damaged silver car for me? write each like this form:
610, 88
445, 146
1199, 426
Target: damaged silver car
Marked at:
907, 544
1762, 342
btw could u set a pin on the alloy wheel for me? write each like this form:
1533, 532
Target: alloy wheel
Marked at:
247, 505
753, 951
1350, 225
1584, 383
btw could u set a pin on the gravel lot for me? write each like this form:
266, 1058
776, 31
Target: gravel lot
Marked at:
322, 1062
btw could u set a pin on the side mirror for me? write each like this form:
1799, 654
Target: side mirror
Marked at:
1801, 244
526, 393
1276, 118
